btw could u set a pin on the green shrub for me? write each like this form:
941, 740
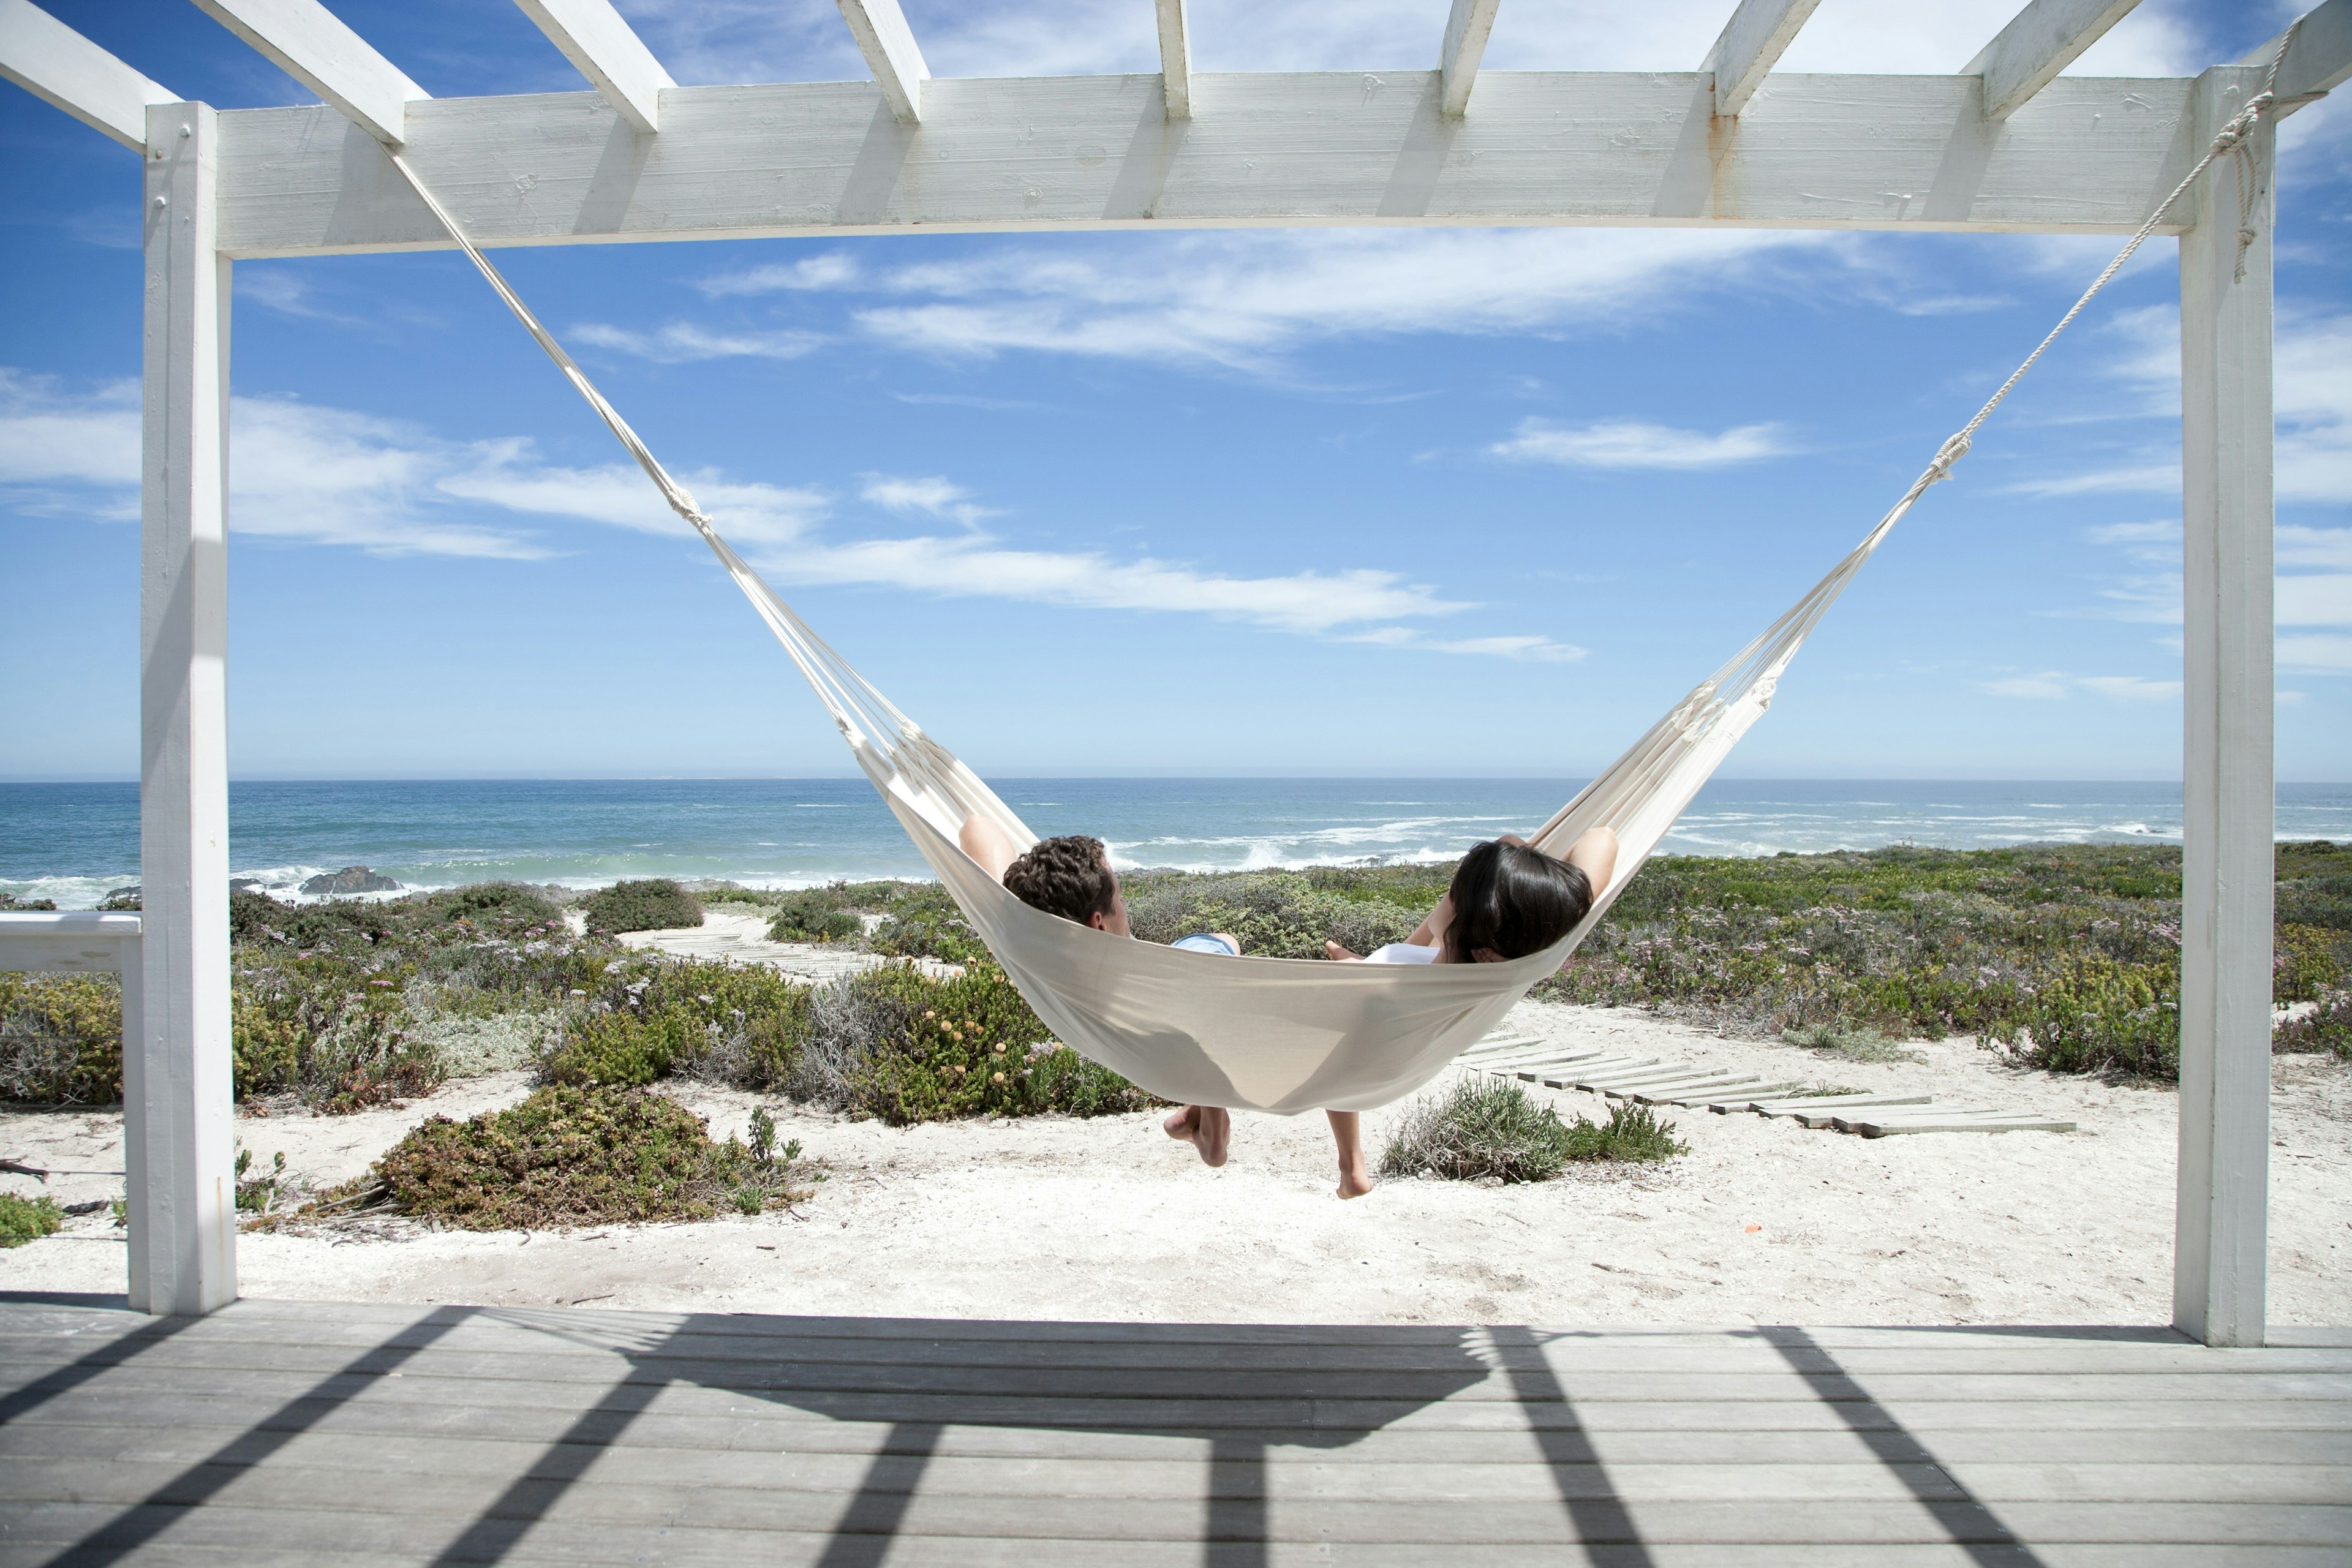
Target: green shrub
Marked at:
1272, 914
2326, 1028
894, 1043
1489, 1128
2308, 960
28, 1219
61, 1038
2095, 1014
570, 1156
655, 904
814, 914
328, 1027
628, 1048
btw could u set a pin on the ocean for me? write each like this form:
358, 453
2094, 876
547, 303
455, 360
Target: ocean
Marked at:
75, 843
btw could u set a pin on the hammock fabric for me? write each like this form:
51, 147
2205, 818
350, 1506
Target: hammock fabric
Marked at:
1269, 1033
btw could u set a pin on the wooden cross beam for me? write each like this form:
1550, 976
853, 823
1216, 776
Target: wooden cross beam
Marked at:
608, 52
61, 68
2039, 42
1759, 32
310, 44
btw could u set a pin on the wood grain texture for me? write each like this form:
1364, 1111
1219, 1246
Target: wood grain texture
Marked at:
1751, 44
1467, 27
605, 49
313, 45
2226, 323
61, 68
888, 45
2321, 57
1837, 153
1175, 58
178, 1129
2039, 42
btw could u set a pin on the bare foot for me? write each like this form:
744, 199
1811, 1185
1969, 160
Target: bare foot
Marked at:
1332, 950
1355, 1183
1206, 1127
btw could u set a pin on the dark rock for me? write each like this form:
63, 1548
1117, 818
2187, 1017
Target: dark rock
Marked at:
124, 901
350, 880
238, 885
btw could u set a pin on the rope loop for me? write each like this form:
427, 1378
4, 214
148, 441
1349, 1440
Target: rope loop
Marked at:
1950, 452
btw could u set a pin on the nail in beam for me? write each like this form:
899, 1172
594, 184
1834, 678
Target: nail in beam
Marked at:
176, 1089
2227, 821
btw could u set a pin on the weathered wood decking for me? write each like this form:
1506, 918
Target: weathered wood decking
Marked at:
280, 1433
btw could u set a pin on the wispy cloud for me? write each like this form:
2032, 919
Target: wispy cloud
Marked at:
2312, 367
1629, 444
683, 342
2055, 685
832, 269
331, 476
1248, 300
2310, 653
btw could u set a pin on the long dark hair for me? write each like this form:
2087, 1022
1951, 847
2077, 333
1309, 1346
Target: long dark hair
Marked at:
1512, 899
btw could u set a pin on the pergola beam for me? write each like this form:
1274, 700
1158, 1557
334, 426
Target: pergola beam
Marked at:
1175, 58
59, 66
1467, 28
310, 44
2321, 57
2039, 42
1750, 45
888, 46
1025, 154
608, 52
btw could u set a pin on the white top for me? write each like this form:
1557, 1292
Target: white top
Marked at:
1402, 952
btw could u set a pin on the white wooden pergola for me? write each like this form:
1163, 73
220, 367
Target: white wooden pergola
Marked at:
2004, 146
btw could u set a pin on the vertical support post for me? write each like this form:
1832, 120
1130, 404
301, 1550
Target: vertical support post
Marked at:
176, 1089
2222, 1226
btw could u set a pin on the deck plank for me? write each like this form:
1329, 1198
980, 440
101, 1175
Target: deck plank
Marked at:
280, 1433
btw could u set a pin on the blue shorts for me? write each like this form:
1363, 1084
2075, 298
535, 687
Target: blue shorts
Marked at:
1205, 941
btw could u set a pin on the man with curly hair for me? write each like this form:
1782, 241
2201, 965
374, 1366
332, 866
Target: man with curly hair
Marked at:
1071, 877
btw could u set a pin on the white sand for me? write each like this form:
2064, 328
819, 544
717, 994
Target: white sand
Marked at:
1763, 1221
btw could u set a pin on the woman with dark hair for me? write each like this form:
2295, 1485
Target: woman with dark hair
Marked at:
1509, 900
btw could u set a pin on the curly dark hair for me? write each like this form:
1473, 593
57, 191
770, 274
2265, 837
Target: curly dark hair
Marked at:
1069, 877
1513, 899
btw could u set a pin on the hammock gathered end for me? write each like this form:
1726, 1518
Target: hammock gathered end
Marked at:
1286, 1035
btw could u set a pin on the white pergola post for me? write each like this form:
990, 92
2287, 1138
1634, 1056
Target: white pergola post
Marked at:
2226, 784
176, 1084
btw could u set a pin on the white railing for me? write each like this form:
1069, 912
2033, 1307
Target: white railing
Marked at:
76, 941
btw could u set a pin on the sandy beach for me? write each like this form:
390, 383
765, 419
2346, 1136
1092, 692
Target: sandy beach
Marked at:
1108, 1219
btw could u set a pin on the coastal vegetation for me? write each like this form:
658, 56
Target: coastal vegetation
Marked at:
28, 1219
577, 1155
1487, 1128
655, 904
2061, 956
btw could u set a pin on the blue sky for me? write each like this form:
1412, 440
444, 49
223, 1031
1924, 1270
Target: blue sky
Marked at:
1470, 502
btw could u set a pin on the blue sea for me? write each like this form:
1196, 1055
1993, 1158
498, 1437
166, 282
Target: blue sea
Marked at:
76, 842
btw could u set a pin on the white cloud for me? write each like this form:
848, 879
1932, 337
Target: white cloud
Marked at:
2315, 653
335, 477
2300, 545
830, 270
2315, 599
682, 342
2158, 532
2311, 366
1630, 444
1247, 301
2055, 685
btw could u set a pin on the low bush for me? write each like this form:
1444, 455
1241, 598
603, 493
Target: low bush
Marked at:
655, 904
2325, 1028
2096, 1014
570, 1156
1850, 1045
1272, 914
28, 1219
814, 914
2306, 962
896, 1045
628, 1048
1485, 1127
924, 923
61, 1038
329, 1030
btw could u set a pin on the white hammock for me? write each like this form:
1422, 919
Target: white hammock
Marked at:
1272, 1034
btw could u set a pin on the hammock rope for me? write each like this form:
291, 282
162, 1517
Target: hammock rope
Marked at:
1274, 1033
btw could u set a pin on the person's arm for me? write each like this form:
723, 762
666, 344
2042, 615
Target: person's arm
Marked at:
1595, 855
988, 845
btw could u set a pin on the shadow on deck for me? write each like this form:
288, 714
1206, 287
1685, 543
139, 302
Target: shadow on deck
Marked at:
289, 1432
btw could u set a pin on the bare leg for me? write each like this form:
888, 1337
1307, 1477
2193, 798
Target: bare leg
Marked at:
1348, 1133
1208, 1128
1337, 954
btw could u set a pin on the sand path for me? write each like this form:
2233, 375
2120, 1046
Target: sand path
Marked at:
1108, 1219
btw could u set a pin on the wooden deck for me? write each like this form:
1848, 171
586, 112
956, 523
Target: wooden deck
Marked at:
282, 1433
